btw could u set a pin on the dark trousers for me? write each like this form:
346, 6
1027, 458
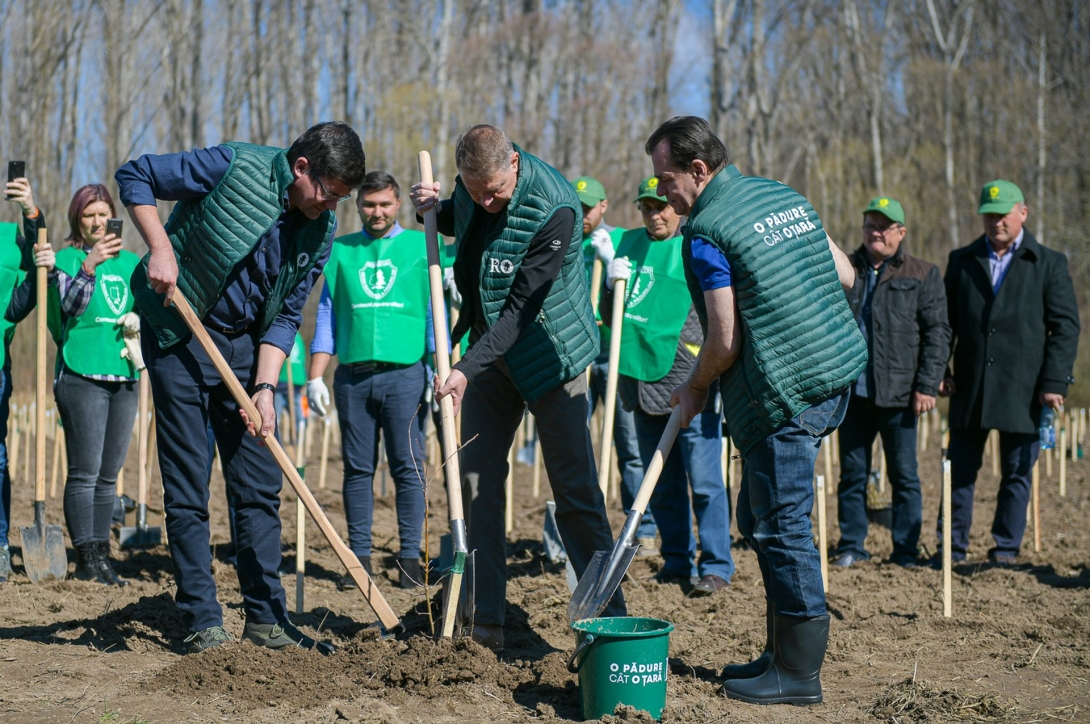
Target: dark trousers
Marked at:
189, 396
98, 419
775, 501
491, 413
393, 402
897, 426
5, 474
1017, 453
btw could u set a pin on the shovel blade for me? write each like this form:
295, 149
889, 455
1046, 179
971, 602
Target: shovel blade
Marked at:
599, 582
459, 597
132, 536
43, 552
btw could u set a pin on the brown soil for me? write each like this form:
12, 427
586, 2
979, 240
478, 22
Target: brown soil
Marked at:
1016, 650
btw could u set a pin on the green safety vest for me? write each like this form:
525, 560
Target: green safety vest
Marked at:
295, 364
588, 262
656, 305
380, 297
91, 343
11, 276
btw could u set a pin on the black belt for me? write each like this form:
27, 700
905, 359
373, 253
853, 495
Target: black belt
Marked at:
359, 368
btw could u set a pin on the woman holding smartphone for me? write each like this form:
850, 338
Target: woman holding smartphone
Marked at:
95, 386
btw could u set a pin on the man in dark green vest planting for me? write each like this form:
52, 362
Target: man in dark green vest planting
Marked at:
373, 315
245, 244
525, 305
660, 339
784, 347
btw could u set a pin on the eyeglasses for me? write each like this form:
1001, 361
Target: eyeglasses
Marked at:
870, 229
326, 195
651, 209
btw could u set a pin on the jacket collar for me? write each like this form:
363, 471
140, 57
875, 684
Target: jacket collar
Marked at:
714, 188
1029, 248
861, 261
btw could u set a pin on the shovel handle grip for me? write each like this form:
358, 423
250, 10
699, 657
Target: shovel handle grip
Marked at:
654, 470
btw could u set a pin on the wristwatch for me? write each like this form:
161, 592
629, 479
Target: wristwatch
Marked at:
264, 386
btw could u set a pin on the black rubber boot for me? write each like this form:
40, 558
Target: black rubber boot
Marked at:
105, 569
87, 568
759, 665
795, 674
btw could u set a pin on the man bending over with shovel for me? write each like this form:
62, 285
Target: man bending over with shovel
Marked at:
525, 304
783, 347
248, 238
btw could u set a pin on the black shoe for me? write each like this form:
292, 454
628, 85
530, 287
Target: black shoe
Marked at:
490, 636
87, 568
759, 665
847, 559
105, 569
666, 576
410, 573
1003, 559
347, 583
208, 638
794, 676
283, 636
708, 585
904, 561
936, 560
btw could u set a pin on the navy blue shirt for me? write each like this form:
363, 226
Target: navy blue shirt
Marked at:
192, 174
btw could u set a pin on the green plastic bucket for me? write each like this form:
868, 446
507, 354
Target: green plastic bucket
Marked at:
621, 660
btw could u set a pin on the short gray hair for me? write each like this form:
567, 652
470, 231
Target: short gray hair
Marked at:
482, 151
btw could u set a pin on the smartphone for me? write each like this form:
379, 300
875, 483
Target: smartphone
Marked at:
113, 226
16, 169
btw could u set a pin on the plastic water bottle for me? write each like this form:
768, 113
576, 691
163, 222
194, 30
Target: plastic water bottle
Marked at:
1046, 429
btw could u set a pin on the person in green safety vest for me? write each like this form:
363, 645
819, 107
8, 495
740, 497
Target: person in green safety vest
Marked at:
16, 260
600, 242
660, 338
295, 367
373, 314
95, 384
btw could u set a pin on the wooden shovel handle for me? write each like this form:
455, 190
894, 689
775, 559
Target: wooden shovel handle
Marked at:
442, 357
654, 470
39, 389
348, 559
142, 439
604, 461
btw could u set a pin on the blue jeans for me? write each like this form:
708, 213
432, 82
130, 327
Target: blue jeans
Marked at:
189, 395
280, 403
393, 402
5, 474
774, 506
897, 426
695, 460
1017, 452
624, 441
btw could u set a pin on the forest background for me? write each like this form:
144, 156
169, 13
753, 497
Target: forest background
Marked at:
922, 100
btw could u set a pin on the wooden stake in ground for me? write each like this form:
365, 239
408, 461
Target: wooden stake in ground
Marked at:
347, 558
947, 552
1048, 459
993, 451
1036, 503
537, 467
327, 429
823, 548
827, 453
300, 524
611, 384
1063, 459
595, 294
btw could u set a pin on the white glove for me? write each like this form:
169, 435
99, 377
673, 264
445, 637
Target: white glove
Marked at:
603, 246
619, 268
450, 286
318, 395
130, 324
132, 351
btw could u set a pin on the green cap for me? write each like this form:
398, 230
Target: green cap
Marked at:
999, 197
589, 190
649, 189
887, 207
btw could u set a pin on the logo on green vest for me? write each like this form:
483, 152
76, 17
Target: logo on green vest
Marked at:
377, 278
642, 281
116, 291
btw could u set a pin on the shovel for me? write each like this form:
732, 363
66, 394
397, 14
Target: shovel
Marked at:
605, 571
604, 460
452, 470
43, 545
367, 587
141, 535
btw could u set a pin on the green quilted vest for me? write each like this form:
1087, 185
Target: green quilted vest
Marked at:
11, 276
563, 340
800, 341
212, 234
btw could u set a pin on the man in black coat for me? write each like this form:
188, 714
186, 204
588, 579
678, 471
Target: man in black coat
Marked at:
1015, 323
899, 303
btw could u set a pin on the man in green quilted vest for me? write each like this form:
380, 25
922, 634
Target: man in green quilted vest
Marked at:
600, 242
783, 346
373, 315
516, 222
248, 238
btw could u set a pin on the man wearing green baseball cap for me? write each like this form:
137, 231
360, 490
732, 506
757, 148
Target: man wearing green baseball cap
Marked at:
1015, 324
896, 298
600, 241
